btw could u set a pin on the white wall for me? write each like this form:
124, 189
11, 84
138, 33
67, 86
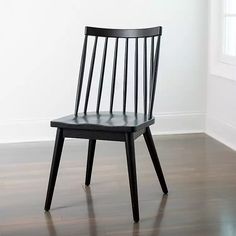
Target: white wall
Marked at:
221, 110
221, 86
40, 47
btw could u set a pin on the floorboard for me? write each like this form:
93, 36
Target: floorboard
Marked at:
200, 173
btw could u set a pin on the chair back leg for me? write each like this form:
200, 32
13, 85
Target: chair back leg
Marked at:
54, 167
155, 160
91, 151
130, 152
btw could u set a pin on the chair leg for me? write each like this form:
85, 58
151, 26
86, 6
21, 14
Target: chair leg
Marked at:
153, 153
91, 150
54, 168
129, 143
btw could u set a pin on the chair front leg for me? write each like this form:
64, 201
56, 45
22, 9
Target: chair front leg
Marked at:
91, 150
54, 167
153, 153
130, 152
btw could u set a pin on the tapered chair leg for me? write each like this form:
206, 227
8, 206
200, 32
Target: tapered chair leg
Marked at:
153, 153
91, 150
129, 143
54, 168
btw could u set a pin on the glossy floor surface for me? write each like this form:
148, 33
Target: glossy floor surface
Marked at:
200, 173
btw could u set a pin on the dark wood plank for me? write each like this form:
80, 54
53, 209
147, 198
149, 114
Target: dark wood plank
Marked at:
200, 173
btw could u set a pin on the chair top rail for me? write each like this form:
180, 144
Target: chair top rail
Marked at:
124, 33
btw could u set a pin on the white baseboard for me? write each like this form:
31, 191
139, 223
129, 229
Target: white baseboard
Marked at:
222, 131
26, 131
40, 130
179, 123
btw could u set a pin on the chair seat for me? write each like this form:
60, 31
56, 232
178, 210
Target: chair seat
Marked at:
104, 121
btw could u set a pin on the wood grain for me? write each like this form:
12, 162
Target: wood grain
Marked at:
200, 172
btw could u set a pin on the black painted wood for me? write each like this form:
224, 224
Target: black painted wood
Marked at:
151, 64
105, 121
81, 75
136, 77
124, 33
154, 78
90, 74
113, 76
130, 152
155, 160
125, 74
145, 76
54, 167
149, 35
102, 75
98, 135
113, 125
91, 151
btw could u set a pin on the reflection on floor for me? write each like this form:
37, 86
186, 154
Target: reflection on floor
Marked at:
200, 173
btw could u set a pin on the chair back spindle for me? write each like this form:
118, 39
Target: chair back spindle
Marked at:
113, 75
154, 78
81, 75
145, 76
151, 46
125, 74
102, 75
90, 75
136, 78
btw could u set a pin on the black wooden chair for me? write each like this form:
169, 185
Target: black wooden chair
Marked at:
114, 125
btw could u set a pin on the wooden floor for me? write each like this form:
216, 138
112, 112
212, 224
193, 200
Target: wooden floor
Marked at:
200, 173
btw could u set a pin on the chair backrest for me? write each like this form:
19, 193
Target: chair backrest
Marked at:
149, 40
